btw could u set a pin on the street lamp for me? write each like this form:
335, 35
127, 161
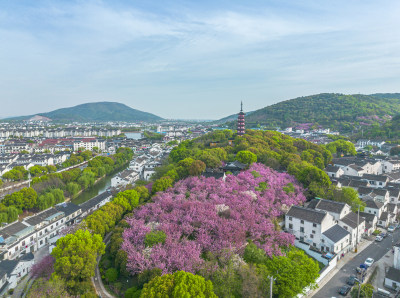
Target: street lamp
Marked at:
358, 225
271, 279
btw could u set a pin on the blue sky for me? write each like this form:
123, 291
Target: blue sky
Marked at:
193, 59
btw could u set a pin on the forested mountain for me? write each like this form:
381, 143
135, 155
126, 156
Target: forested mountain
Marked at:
97, 111
387, 131
330, 110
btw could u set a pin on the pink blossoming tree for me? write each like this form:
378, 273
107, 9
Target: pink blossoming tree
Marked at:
200, 215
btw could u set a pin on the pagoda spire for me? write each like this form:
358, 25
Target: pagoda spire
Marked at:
241, 130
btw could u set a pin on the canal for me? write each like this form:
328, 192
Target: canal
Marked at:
133, 135
98, 188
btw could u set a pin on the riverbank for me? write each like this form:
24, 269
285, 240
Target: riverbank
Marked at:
100, 186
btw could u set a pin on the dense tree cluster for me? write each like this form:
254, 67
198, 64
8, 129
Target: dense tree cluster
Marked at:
178, 284
76, 258
51, 188
200, 215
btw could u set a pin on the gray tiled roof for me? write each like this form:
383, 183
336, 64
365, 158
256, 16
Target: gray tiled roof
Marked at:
393, 274
94, 201
307, 214
369, 217
351, 220
332, 169
364, 190
12, 229
336, 233
38, 218
391, 207
375, 177
384, 216
67, 208
327, 205
373, 204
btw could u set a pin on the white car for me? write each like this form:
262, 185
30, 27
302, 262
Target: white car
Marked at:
368, 262
379, 238
391, 229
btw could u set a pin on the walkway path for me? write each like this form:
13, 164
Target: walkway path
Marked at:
97, 281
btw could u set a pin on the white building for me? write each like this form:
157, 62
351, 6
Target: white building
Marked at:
392, 279
89, 144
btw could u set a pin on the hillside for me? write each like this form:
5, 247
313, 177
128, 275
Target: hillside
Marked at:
387, 131
96, 111
330, 110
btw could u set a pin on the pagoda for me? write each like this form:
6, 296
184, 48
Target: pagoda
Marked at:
240, 125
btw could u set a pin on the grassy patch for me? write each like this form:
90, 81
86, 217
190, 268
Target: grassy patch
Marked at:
376, 232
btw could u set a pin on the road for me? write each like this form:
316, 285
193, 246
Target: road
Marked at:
376, 251
97, 282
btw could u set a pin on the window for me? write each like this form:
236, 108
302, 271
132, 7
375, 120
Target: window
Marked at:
302, 221
23, 243
302, 229
322, 240
313, 232
311, 236
290, 218
57, 224
41, 242
314, 244
290, 226
314, 225
327, 248
31, 238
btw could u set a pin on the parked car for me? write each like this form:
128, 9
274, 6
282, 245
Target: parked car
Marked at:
351, 280
344, 290
391, 229
383, 235
379, 238
368, 262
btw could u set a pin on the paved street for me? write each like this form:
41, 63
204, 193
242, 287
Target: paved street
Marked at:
376, 251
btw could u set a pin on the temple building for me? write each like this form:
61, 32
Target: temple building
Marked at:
241, 125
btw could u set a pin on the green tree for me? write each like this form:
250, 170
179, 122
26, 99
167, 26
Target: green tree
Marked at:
395, 151
366, 291
76, 258
111, 275
196, 168
246, 157
55, 287
341, 147
161, 184
293, 272
179, 284
73, 188
154, 237
346, 195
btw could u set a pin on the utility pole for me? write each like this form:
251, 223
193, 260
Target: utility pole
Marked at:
358, 224
271, 280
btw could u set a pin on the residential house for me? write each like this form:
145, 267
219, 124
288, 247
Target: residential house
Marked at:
334, 171
12, 271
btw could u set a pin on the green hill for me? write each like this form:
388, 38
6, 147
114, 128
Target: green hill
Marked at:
97, 111
329, 110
